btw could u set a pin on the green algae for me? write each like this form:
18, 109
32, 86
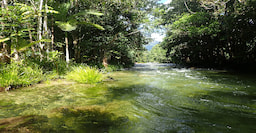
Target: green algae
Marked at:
66, 106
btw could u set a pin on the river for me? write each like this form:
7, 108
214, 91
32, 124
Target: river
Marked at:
149, 98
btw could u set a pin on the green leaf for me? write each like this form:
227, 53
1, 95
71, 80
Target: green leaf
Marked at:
4, 39
97, 26
50, 11
66, 26
89, 12
92, 24
53, 11
26, 13
95, 13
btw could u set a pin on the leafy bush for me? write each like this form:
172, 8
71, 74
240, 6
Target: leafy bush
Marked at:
20, 74
53, 63
85, 74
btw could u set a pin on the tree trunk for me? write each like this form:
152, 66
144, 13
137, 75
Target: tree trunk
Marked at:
39, 30
15, 51
45, 28
104, 58
6, 47
52, 35
79, 55
31, 40
75, 42
75, 36
105, 62
67, 51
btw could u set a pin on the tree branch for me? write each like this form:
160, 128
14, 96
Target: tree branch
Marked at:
188, 8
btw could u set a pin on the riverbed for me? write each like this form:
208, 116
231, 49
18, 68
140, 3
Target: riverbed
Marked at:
148, 98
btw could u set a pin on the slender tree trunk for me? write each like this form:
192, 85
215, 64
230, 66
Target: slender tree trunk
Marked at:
15, 51
31, 40
6, 47
79, 55
105, 62
39, 30
52, 34
75, 42
45, 29
67, 51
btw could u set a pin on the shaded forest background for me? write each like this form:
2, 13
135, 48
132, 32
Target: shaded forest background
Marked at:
208, 33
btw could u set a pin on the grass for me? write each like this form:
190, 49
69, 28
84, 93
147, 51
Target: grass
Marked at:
19, 74
85, 74
25, 73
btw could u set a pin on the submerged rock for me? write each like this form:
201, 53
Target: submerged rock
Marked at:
109, 79
5, 88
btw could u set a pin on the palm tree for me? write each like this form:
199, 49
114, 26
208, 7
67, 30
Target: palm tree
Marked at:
70, 23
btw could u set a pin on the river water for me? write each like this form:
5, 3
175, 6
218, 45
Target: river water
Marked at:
149, 98
169, 99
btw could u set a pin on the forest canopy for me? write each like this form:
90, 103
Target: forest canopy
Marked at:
210, 33
81, 31
202, 33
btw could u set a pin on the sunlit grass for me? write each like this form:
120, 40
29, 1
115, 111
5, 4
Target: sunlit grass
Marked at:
85, 74
18, 74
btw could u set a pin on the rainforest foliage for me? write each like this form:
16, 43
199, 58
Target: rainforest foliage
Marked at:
156, 54
210, 33
51, 36
79, 30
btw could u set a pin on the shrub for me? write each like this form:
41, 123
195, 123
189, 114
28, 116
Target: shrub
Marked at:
52, 63
85, 74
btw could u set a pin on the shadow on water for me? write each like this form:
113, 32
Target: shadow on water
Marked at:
88, 119
59, 107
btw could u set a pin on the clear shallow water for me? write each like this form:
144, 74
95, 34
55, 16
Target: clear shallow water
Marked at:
147, 98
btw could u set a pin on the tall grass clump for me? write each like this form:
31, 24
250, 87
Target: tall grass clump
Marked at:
19, 74
85, 74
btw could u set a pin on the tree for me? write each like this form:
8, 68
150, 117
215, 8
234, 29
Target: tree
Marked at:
70, 22
219, 35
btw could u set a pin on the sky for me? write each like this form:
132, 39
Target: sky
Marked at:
165, 1
157, 36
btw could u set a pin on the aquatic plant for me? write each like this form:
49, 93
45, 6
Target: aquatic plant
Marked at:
85, 74
66, 119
